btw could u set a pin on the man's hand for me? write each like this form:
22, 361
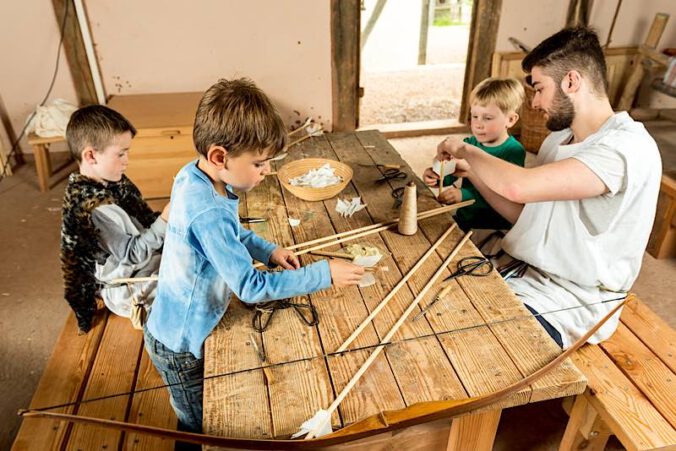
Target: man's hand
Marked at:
462, 168
450, 195
451, 148
284, 258
344, 273
430, 177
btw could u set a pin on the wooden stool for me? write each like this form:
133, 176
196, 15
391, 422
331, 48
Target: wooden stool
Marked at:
43, 164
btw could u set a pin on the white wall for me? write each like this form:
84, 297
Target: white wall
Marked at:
29, 37
533, 21
173, 46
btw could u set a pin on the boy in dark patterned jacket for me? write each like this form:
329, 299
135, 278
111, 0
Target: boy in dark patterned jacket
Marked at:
108, 231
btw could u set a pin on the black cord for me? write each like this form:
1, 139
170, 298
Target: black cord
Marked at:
327, 355
15, 145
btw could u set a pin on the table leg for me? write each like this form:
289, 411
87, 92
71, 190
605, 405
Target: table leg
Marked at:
585, 428
43, 165
475, 432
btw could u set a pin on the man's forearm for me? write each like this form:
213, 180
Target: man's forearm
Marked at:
501, 177
505, 207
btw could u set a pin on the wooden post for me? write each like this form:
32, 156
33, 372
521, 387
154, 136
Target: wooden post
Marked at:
482, 38
476, 431
426, 15
377, 9
345, 24
585, 429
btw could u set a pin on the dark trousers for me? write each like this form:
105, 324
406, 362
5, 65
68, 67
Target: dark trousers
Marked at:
556, 336
184, 376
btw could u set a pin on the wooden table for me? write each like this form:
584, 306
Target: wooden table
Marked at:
476, 359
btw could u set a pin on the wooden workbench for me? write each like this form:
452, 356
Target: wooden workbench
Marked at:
474, 360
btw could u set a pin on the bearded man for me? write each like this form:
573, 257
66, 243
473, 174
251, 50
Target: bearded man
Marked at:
582, 215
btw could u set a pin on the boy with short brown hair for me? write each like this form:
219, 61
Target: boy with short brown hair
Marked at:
208, 254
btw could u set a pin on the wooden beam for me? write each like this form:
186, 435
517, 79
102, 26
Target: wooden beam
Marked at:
425, 15
74, 49
578, 12
345, 24
482, 38
380, 5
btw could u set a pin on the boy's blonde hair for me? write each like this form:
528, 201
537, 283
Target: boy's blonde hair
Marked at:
95, 126
506, 93
239, 116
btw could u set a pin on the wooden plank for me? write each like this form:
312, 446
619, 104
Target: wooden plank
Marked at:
300, 389
114, 372
421, 367
340, 312
153, 113
651, 329
345, 25
235, 405
655, 380
629, 414
150, 407
73, 356
422, 437
483, 376
526, 342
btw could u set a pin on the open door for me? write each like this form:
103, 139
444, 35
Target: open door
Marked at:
346, 38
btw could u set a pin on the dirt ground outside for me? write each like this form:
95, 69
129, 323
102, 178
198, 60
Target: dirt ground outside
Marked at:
396, 88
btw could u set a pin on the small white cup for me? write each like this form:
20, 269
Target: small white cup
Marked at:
449, 167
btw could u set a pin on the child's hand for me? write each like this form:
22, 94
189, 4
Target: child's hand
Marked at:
451, 148
165, 212
430, 177
450, 195
344, 273
284, 258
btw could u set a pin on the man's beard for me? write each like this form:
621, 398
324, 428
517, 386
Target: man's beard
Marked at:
562, 112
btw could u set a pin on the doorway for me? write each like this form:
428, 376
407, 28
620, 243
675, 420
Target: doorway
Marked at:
412, 63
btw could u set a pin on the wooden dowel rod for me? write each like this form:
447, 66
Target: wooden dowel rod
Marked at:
131, 280
333, 254
388, 337
441, 177
394, 290
369, 230
302, 127
421, 215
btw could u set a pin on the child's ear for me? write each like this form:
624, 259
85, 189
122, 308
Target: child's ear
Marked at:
89, 155
218, 156
512, 119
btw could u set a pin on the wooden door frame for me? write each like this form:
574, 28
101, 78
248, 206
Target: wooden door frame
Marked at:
345, 59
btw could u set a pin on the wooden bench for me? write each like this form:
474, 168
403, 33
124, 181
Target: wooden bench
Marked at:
108, 360
631, 390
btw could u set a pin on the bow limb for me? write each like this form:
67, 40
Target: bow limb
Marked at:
383, 422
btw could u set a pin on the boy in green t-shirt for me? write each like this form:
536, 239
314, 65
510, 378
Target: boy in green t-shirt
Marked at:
494, 105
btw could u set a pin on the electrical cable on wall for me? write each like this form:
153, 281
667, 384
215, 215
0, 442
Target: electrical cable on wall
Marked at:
15, 145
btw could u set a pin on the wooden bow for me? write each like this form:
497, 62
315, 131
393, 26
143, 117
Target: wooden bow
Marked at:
376, 424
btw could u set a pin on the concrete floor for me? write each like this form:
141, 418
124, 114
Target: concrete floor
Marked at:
32, 309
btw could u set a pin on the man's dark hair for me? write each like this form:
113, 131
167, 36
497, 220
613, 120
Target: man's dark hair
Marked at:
575, 48
95, 126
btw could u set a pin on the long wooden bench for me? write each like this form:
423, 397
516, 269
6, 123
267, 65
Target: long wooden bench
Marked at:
631, 390
106, 361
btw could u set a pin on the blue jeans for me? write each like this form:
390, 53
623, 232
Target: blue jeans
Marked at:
556, 336
184, 376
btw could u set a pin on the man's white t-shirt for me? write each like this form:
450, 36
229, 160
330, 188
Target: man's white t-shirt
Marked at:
585, 251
